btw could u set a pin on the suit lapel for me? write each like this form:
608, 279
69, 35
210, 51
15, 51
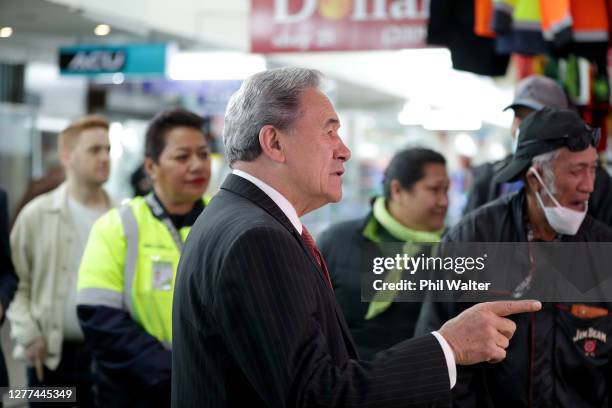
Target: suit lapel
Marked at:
250, 191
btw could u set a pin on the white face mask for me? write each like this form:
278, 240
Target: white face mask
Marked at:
562, 219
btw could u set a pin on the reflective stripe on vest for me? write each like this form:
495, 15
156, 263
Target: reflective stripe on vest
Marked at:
100, 297
130, 229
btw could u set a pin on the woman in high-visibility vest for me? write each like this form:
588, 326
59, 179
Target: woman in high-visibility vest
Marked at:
127, 272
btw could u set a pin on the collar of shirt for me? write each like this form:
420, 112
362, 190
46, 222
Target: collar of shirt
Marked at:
277, 197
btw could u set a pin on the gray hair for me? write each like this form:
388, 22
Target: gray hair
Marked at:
267, 98
545, 161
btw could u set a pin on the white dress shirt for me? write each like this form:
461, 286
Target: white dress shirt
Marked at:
290, 212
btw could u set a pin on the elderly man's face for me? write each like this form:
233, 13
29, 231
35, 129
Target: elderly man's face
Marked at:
315, 153
574, 178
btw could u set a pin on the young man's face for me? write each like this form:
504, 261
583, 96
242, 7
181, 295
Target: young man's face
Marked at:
89, 159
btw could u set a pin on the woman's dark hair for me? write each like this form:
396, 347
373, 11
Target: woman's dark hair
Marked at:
155, 139
408, 167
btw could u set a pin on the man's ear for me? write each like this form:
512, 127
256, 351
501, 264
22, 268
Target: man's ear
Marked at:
395, 188
532, 180
150, 167
270, 142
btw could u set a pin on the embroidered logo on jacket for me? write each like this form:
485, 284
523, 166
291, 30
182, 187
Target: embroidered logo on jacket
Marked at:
590, 337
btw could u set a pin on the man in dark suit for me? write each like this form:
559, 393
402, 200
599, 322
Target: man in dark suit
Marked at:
8, 278
255, 321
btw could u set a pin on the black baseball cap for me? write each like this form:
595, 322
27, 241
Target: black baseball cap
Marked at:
546, 130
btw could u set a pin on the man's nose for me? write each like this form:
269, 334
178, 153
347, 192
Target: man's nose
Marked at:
343, 152
587, 183
443, 200
105, 154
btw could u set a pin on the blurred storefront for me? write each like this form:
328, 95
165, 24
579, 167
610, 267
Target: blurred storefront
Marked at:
390, 90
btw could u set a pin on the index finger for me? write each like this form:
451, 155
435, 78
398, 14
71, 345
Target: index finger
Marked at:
510, 307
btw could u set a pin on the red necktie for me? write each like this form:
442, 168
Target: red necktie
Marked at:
310, 242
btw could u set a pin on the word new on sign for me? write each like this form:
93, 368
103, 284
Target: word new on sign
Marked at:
337, 25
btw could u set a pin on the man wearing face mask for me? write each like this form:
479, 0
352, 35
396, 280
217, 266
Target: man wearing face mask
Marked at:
532, 94
556, 159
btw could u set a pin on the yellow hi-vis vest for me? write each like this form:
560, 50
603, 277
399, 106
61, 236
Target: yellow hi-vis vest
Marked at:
130, 263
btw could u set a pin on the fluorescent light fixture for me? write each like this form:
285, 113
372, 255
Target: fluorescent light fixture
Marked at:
6, 32
102, 30
447, 119
201, 66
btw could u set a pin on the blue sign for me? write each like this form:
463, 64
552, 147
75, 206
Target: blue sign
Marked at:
129, 59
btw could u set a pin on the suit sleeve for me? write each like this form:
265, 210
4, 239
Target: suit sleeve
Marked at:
266, 308
119, 344
8, 277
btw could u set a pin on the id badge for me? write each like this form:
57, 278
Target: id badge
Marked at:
162, 276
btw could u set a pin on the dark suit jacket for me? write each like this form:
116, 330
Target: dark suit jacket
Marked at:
8, 278
255, 323
349, 254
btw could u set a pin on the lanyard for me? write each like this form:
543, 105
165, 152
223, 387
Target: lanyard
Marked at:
159, 212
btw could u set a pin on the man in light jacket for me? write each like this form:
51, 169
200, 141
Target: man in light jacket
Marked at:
47, 242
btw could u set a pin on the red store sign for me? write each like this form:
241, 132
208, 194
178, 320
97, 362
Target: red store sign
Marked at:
337, 25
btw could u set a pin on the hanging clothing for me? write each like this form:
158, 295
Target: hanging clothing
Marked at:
517, 24
483, 18
451, 24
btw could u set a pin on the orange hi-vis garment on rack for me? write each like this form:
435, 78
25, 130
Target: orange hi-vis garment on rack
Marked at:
590, 20
483, 18
556, 21
581, 21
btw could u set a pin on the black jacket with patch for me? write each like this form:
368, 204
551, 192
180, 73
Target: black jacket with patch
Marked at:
550, 362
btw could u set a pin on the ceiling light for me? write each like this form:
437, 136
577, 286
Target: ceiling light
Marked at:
214, 65
118, 78
448, 119
6, 32
102, 29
